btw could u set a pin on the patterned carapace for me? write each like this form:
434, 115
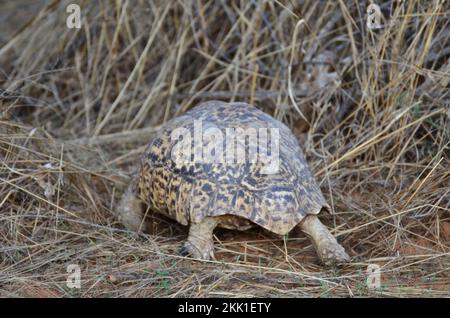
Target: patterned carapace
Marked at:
194, 190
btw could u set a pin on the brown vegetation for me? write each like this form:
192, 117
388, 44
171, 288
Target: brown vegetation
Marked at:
371, 109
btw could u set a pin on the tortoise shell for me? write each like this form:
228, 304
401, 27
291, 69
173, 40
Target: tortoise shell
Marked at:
190, 190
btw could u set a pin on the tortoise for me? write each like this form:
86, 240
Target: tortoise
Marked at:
208, 192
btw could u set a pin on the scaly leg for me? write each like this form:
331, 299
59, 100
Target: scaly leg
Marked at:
129, 211
328, 249
200, 243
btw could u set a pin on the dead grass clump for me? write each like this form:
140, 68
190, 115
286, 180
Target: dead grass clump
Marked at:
371, 109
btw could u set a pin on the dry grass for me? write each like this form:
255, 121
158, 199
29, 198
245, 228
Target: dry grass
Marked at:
371, 110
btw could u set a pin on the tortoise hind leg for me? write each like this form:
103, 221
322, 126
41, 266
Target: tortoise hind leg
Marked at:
328, 249
199, 243
129, 211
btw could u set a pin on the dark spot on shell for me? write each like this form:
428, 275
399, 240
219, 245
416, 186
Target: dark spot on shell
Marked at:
233, 201
157, 142
207, 187
153, 157
280, 188
251, 181
260, 221
221, 197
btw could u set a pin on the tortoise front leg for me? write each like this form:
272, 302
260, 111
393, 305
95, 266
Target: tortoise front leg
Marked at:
199, 243
328, 249
130, 211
